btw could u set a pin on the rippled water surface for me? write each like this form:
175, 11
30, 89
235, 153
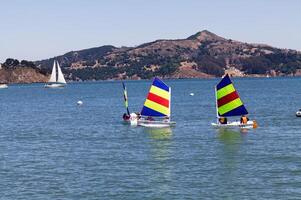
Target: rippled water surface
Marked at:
50, 148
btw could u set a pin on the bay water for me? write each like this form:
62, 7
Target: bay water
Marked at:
51, 148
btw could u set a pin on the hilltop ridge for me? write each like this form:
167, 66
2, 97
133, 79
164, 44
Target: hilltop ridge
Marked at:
201, 55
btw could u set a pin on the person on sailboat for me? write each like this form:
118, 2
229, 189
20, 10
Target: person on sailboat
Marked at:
126, 117
244, 119
138, 115
223, 120
166, 119
150, 118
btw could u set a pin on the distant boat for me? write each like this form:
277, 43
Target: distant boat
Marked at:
126, 116
57, 78
298, 113
229, 104
3, 86
129, 118
156, 111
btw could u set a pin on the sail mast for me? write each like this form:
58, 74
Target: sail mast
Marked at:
169, 116
216, 107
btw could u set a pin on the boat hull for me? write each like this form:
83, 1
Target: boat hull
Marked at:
3, 86
236, 124
298, 114
155, 124
55, 85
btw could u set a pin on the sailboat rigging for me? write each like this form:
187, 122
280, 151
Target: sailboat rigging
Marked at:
229, 104
57, 78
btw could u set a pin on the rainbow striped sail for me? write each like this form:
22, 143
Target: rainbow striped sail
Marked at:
227, 99
157, 103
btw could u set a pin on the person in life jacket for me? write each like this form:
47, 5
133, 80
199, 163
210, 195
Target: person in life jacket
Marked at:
125, 117
244, 119
223, 120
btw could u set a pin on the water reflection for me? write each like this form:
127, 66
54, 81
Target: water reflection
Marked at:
228, 155
231, 141
159, 133
161, 153
229, 136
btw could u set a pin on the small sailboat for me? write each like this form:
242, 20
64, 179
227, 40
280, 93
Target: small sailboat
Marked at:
156, 110
3, 86
129, 118
57, 78
126, 116
229, 104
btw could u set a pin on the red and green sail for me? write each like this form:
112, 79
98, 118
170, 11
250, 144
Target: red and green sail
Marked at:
228, 101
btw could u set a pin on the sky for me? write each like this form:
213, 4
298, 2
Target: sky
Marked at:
41, 29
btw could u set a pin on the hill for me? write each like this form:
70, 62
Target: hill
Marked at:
13, 71
203, 54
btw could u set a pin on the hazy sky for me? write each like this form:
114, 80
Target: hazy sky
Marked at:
39, 29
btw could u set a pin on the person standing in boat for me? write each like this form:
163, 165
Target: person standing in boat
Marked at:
244, 119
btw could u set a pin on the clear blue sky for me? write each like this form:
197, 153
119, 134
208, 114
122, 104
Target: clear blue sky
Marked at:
39, 29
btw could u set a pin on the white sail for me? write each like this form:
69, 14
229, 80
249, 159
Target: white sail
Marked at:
60, 78
53, 74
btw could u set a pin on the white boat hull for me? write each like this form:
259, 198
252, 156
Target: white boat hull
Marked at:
236, 124
55, 85
155, 124
3, 86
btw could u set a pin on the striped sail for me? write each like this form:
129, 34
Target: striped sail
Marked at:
125, 97
228, 101
157, 103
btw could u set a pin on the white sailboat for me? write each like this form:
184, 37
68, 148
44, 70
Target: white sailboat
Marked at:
3, 86
57, 78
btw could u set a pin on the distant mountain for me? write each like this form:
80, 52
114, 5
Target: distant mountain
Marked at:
203, 54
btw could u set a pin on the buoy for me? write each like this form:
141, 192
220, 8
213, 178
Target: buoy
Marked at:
191, 94
79, 103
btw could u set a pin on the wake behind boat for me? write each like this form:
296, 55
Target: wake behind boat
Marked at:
57, 79
229, 104
156, 111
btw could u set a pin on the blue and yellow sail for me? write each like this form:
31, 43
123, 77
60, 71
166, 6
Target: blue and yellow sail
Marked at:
125, 97
228, 101
157, 103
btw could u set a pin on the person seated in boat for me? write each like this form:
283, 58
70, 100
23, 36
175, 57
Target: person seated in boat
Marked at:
244, 119
150, 118
125, 117
166, 119
223, 120
138, 115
